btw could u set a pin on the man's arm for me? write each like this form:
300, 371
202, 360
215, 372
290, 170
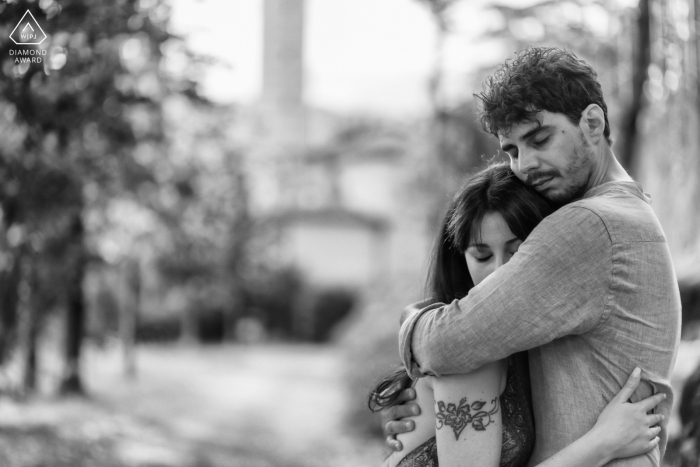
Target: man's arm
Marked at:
555, 285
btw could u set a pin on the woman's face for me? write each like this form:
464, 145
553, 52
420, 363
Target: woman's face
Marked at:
497, 246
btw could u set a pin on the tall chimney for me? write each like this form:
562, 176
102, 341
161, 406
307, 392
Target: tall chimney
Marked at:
283, 74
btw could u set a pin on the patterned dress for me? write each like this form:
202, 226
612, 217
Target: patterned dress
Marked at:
518, 425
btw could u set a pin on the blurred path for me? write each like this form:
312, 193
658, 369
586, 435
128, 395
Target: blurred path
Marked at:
279, 405
217, 406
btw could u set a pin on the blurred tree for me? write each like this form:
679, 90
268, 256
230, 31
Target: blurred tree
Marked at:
203, 201
641, 60
76, 117
129, 284
439, 10
456, 138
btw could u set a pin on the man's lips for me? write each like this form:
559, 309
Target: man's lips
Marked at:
540, 182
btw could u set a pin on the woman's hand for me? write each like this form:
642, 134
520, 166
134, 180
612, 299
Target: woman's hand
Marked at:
392, 418
624, 428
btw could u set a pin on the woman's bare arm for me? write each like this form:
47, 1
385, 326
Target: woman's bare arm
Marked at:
623, 429
468, 423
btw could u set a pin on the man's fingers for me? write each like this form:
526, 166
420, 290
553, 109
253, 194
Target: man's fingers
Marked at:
406, 395
398, 412
393, 443
392, 418
630, 386
651, 402
396, 427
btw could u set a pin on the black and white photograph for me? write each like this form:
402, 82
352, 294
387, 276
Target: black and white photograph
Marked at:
349, 233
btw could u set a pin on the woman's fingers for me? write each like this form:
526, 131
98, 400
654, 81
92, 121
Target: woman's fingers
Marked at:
630, 386
651, 402
654, 419
653, 443
654, 432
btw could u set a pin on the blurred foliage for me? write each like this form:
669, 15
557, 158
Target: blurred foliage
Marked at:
43, 446
371, 343
330, 307
92, 169
686, 449
271, 296
690, 305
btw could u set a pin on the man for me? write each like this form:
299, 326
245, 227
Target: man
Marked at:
591, 293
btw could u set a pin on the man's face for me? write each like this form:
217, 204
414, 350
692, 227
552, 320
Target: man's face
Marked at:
550, 155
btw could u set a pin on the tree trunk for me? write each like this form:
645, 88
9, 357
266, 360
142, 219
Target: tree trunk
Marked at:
640, 66
694, 30
9, 284
75, 312
129, 280
30, 363
189, 321
9, 280
27, 326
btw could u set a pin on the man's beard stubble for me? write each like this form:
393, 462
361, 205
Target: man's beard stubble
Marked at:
579, 172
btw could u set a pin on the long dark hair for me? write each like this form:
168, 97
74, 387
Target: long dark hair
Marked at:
494, 189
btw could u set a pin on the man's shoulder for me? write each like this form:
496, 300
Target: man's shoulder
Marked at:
625, 216
574, 223
579, 214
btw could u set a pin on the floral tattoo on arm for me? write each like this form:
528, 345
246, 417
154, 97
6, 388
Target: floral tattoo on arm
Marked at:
459, 416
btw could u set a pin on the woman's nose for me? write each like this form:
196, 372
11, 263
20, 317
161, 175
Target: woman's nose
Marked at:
500, 260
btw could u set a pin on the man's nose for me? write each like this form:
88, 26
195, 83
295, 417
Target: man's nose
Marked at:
527, 162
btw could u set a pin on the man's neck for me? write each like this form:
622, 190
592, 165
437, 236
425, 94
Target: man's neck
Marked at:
608, 169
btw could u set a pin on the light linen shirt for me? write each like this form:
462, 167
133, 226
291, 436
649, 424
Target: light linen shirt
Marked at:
591, 294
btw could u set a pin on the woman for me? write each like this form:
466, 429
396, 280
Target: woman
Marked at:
485, 417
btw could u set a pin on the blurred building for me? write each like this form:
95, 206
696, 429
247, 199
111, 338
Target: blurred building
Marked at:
330, 185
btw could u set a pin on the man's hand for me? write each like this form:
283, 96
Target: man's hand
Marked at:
392, 418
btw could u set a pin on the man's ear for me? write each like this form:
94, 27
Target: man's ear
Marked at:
593, 123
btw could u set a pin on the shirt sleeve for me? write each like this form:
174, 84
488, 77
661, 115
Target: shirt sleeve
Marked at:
557, 284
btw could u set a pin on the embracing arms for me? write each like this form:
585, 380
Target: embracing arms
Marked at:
553, 286
623, 429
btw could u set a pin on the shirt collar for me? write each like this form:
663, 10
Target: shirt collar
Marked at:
632, 188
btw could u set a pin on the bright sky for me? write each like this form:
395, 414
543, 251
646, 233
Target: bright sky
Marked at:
365, 56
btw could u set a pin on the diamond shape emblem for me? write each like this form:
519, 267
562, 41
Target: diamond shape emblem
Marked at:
28, 31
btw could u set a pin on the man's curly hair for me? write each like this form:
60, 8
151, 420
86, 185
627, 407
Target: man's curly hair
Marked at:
537, 79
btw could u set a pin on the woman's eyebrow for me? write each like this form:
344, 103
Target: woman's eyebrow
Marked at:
512, 240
